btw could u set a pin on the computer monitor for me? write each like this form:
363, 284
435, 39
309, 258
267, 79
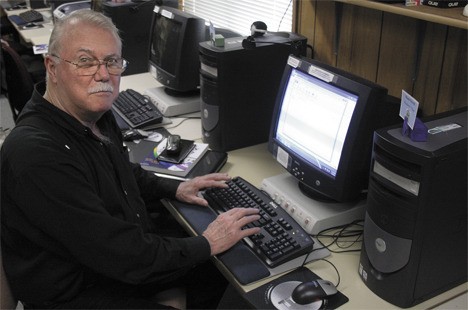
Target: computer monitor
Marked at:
322, 128
174, 43
56, 3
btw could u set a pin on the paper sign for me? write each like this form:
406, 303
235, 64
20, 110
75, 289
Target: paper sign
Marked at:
408, 109
40, 49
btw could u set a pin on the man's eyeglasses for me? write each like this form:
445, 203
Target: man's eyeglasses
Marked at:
89, 66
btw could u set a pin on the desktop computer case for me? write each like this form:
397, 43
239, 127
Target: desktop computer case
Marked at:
133, 20
415, 231
238, 89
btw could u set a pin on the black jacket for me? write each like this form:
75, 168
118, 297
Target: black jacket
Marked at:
73, 209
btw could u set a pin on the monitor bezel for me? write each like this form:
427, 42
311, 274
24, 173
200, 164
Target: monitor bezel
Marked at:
352, 173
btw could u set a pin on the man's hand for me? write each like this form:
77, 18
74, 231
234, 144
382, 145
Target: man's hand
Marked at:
227, 230
188, 190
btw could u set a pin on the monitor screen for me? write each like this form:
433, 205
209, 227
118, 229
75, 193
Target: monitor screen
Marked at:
174, 44
322, 128
311, 105
167, 37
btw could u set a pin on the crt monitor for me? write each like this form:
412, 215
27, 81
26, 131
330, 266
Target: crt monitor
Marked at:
322, 128
56, 3
174, 42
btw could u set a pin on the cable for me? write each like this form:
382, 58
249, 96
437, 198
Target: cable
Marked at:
311, 48
326, 260
281, 20
352, 231
138, 4
183, 120
336, 269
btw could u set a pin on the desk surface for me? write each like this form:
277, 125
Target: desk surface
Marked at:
254, 164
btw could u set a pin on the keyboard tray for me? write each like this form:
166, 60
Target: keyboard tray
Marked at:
240, 260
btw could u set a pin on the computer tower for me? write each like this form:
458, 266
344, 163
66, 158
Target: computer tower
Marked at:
38, 4
238, 88
133, 19
415, 230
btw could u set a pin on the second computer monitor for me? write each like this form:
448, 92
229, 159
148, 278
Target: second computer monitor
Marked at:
174, 43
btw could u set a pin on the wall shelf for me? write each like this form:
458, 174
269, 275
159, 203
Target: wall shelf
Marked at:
448, 16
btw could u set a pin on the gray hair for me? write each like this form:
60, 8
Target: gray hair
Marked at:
88, 17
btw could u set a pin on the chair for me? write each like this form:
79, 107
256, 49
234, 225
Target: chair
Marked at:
7, 301
174, 297
20, 75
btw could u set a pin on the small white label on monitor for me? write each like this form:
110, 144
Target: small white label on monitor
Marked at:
294, 62
282, 157
443, 128
167, 14
405, 183
321, 74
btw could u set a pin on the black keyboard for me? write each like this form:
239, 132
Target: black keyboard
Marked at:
31, 16
137, 110
281, 238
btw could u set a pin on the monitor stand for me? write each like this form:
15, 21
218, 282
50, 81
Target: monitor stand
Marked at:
173, 105
314, 216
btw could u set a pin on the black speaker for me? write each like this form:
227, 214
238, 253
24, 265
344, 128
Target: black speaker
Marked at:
238, 89
415, 230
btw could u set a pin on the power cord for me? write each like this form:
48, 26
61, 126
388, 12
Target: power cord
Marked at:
282, 17
183, 120
339, 235
344, 237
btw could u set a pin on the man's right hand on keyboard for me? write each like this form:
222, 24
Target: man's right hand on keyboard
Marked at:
227, 230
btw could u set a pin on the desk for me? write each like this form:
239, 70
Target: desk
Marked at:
34, 36
254, 164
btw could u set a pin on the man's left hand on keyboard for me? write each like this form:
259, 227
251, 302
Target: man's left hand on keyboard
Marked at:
227, 230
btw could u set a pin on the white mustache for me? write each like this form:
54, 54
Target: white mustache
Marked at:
102, 87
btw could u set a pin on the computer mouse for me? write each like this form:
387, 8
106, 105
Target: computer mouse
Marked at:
134, 134
308, 292
30, 25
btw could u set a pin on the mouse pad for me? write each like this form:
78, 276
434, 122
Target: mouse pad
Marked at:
275, 294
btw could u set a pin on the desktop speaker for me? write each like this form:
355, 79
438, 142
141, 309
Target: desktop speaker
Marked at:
238, 88
415, 230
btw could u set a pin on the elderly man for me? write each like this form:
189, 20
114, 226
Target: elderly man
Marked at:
75, 229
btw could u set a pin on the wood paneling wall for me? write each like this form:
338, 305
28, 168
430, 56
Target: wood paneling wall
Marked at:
426, 59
